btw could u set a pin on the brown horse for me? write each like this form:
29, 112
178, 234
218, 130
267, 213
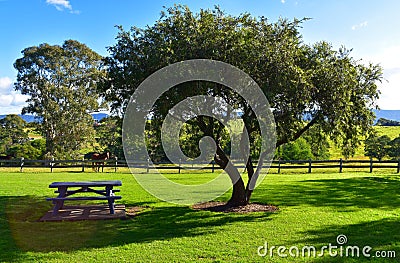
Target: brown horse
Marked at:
97, 157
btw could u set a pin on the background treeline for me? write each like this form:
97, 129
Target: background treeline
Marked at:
22, 139
386, 122
19, 138
380, 147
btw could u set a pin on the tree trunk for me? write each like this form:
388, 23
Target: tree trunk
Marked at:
250, 173
238, 197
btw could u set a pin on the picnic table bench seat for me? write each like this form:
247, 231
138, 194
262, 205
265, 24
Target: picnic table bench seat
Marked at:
82, 198
99, 191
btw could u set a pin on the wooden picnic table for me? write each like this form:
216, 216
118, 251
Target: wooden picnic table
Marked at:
66, 189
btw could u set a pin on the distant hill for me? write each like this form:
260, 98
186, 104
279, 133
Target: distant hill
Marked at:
25, 117
31, 118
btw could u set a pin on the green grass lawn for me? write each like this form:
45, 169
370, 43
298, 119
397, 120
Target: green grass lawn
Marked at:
313, 210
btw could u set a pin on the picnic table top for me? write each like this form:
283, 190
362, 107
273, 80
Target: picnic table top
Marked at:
86, 183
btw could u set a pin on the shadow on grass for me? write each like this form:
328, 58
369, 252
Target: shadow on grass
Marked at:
381, 235
362, 192
21, 232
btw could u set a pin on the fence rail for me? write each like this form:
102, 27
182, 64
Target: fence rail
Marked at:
309, 165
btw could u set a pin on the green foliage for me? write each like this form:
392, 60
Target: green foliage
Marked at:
297, 150
34, 150
14, 139
109, 135
189, 139
318, 142
61, 82
377, 147
394, 148
190, 136
12, 132
298, 79
153, 141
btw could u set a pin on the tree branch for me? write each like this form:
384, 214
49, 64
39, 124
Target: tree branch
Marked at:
300, 132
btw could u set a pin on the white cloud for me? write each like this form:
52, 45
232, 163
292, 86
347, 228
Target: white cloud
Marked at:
389, 59
19, 99
60, 5
360, 25
6, 100
283, 1
390, 93
5, 83
11, 101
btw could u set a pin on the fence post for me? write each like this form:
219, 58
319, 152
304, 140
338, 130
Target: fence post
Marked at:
340, 165
213, 163
279, 166
22, 163
180, 162
398, 166
370, 165
309, 166
148, 164
116, 163
51, 164
83, 164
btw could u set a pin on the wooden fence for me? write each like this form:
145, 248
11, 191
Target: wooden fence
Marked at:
307, 165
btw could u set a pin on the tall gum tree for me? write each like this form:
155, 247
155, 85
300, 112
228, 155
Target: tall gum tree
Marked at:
306, 85
61, 82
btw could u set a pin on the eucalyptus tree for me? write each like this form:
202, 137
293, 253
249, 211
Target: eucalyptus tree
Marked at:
61, 82
334, 91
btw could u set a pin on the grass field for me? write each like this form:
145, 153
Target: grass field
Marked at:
391, 131
313, 210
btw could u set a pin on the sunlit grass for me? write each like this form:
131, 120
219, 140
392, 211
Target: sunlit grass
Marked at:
313, 210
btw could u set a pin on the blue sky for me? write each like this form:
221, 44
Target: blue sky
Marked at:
369, 27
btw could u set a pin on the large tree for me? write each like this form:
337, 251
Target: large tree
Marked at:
334, 91
61, 82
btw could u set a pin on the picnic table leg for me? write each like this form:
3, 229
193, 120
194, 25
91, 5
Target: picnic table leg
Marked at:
58, 204
111, 206
109, 192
